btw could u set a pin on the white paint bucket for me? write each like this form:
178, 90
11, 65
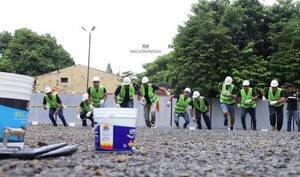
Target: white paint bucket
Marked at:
15, 94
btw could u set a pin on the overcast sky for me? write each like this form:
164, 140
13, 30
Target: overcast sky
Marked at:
121, 26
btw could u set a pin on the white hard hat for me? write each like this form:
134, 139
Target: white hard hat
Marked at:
246, 83
48, 90
187, 90
274, 83
145, 80
96, 79
126, 81
85, 97
228, 80
196, 94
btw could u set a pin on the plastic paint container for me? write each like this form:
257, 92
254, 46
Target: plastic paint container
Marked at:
115, 129
15, 94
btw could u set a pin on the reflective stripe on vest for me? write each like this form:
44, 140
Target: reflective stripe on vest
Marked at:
225, 98
182, 104
52, 102
122, 93
151, 94
200, 104
276, 97
245, 97
97, 96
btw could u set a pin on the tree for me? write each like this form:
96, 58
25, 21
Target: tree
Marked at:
127, 74
108, 68
242, 38
28, 53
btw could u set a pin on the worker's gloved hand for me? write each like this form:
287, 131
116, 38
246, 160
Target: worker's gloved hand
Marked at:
78, 116
91, 107
168, 93
194, 119
238, 105
264, 99
207, 114
168, 103
273, 102
118, 105
56, 112
101, 102
189, 107
88, 114
142, 101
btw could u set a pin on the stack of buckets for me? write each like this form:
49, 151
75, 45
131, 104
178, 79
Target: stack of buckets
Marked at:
115, 129
15, 94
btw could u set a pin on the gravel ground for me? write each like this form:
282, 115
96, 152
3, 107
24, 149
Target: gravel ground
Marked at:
165, 152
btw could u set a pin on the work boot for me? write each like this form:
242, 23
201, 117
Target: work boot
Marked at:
226, 122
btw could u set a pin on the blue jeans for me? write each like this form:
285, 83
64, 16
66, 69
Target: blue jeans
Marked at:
128, 104
244, 112
60, 115
228, 108
292, 115
186, 117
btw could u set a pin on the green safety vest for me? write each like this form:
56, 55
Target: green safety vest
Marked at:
122, 93
200, 104
151, 94
97, 96
224, 98
276, 97
86, 107
182, 104
245, 97
52, 101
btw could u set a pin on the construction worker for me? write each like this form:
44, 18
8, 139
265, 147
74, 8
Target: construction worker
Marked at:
124, 94
55, 106
247, 102
291, 98
183, 103
85, 110
227, 100
275, 98
148, 99
200, 107
97, 93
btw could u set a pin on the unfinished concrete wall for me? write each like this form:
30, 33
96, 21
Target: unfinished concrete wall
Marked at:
163, 117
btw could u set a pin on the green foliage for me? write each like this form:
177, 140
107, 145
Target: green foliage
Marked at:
28, 53
242, 38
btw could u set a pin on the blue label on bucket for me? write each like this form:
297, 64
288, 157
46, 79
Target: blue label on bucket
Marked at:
114, 138
12, 118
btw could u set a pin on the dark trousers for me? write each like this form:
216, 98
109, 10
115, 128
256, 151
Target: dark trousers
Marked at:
84, 117
128, 104
150, 109
60, 115
276, 115
252, 114
205, 117
293, 115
